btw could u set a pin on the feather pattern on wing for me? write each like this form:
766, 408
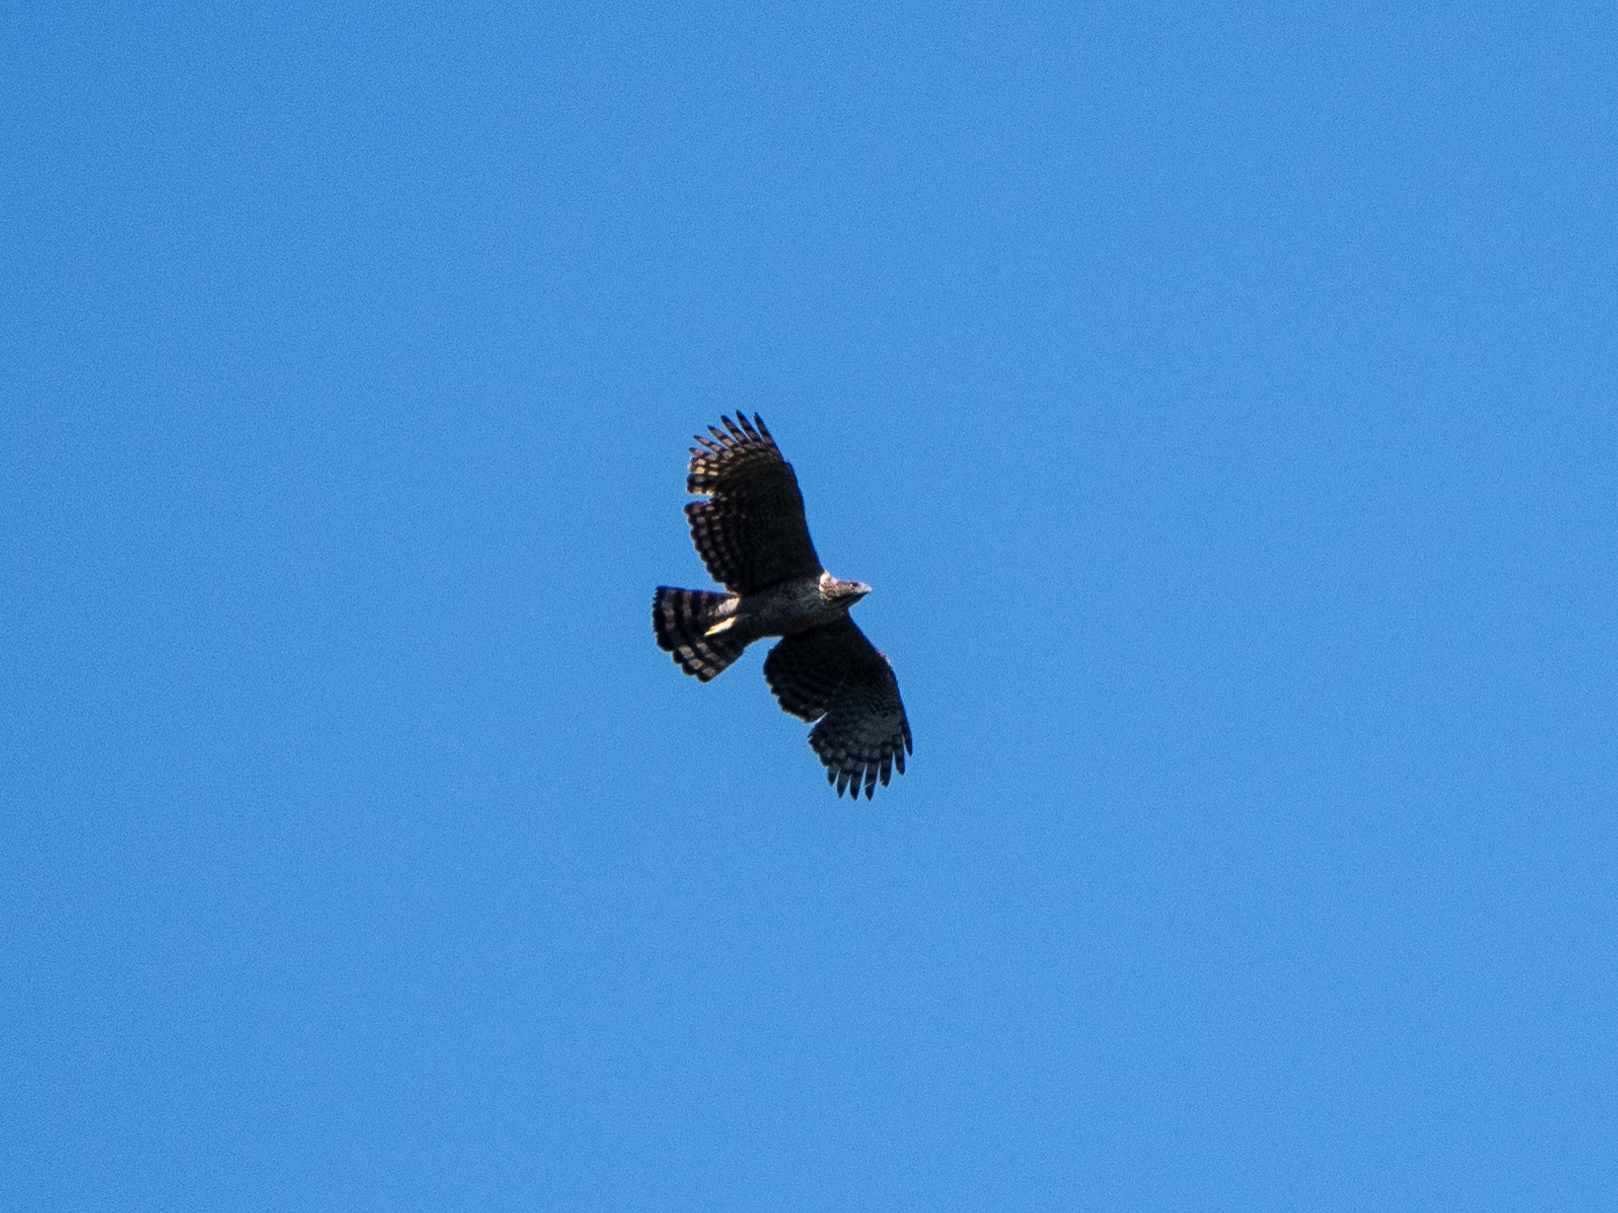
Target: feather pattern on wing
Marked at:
751, 531
835, 674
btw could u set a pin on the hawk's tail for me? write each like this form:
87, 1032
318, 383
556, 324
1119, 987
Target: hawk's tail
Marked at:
681, 618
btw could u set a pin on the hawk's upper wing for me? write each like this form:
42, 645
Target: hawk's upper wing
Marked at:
834, 673
750, 532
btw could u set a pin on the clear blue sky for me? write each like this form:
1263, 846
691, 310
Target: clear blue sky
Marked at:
1221, 401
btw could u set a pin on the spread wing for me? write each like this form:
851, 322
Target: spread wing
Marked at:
835, 674
751, 531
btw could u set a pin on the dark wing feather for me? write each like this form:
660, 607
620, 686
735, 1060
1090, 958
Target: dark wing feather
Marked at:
835, 674
751, 531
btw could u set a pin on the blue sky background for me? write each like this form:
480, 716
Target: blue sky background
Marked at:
1221, 400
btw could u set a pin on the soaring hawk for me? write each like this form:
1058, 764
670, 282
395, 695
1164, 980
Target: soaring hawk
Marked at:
751, 534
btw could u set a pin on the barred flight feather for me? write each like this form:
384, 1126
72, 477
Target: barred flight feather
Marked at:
679, 620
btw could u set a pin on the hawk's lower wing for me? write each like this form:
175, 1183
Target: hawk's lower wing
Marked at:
751, 531
834, 674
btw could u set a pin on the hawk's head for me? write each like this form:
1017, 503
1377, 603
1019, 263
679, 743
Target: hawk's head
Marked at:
842, 593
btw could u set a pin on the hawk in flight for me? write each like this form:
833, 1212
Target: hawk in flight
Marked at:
751, 534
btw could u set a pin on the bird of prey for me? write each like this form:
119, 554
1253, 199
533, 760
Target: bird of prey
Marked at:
751, 534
